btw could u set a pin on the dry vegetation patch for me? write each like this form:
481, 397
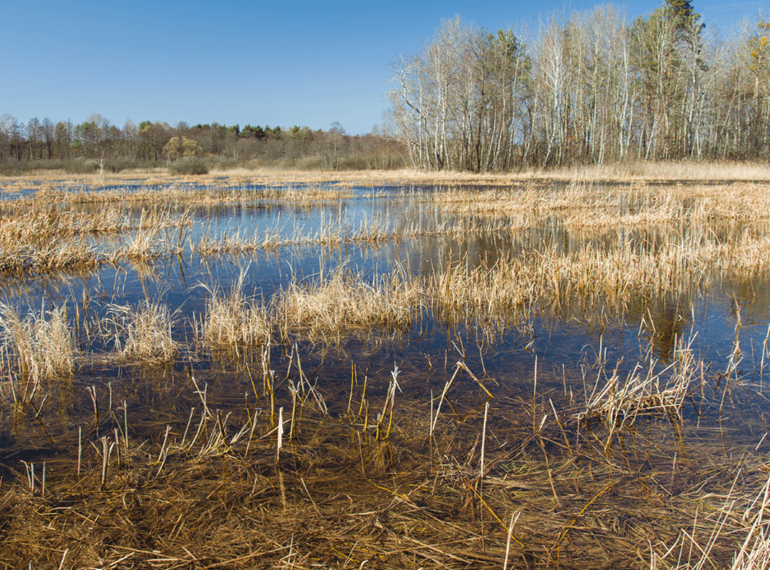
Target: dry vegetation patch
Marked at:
628, 474
345, 301
215, 490
141, 333
38, 345
593, 204
632, 171
235, 320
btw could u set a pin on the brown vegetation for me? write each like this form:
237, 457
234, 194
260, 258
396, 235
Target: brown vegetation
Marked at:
141, 333
354, 472
247, 489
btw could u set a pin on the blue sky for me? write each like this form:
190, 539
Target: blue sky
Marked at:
268, 63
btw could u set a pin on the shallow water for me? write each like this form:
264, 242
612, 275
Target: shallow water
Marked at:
425, 353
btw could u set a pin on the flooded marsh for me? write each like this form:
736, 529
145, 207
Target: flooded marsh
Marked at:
308, 373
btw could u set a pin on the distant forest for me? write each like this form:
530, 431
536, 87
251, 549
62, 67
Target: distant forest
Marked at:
97, 145
585, 88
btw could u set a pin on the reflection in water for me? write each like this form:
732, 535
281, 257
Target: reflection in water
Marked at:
436, 242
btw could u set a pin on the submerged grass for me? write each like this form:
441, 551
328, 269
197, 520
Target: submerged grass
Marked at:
346, 489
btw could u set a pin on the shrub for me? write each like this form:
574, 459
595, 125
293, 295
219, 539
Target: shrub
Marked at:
82, 166
188, 166
119, 164
309, 163
224, 162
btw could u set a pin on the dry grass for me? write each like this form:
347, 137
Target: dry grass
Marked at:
332, 305
345, 301
37, 346
639, 171
330, 234
594, 205
593, 278
141, 333
43, 239
543, 280
43, 235
235, 320
216, 191
36, 236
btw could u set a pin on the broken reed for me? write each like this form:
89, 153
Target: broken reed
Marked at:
211, 485
649, 389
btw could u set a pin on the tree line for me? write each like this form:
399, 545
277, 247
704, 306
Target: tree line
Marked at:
588, 88
97, 144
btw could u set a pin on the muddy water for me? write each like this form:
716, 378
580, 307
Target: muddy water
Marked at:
558, 350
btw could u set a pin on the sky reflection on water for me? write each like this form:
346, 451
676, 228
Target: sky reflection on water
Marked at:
184, 282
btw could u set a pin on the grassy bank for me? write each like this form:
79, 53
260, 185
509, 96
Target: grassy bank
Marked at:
631, 172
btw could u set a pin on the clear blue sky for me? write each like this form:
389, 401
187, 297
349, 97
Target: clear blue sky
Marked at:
276, 63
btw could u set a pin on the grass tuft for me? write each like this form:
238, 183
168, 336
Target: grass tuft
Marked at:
40, 345
235, 320
143, 332
346, 300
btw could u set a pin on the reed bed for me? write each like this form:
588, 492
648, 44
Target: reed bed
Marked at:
43, 239
592, 279
331, 235
548, 282
39, 236
632, 171
345, 301
36, 237
213, 193
592, 204
249, 462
